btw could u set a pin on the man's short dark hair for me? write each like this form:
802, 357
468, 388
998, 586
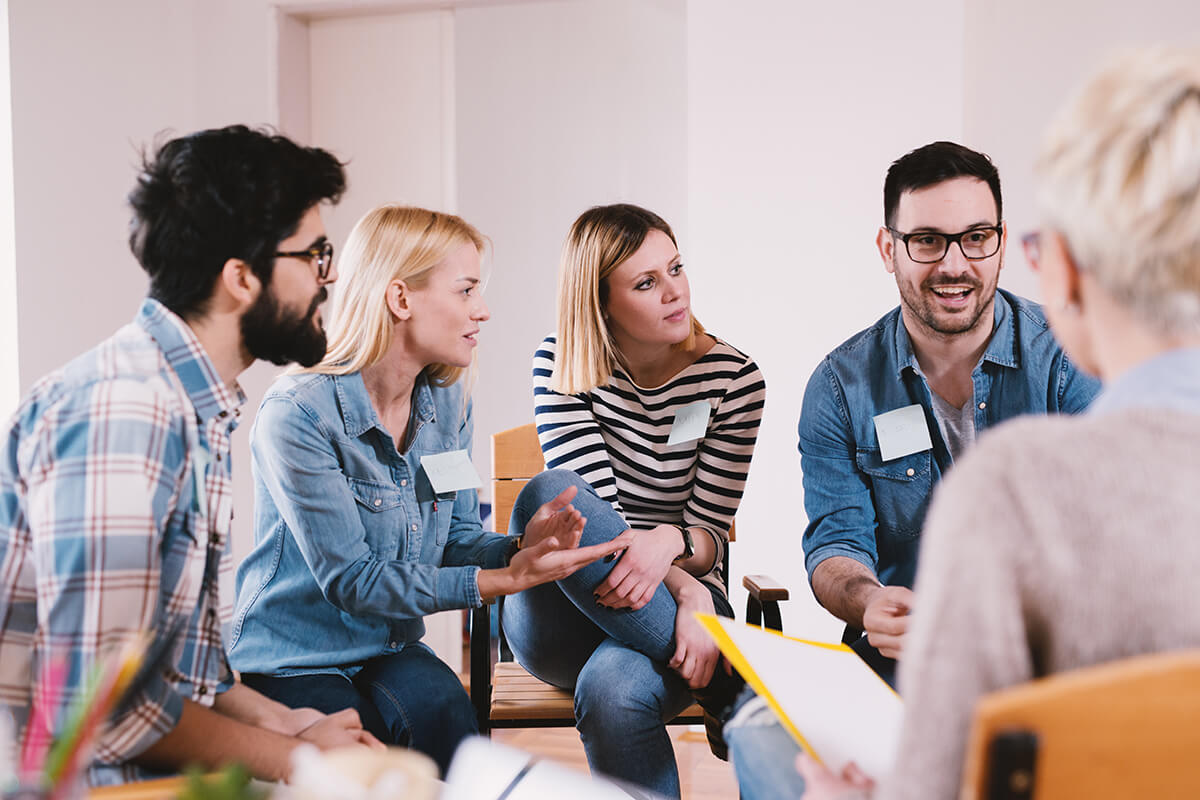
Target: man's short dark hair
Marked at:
934, 163
219, 194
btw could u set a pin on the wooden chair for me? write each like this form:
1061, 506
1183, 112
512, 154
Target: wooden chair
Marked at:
503, 693
1122, 730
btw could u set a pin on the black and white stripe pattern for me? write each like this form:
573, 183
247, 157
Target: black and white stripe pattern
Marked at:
615, 438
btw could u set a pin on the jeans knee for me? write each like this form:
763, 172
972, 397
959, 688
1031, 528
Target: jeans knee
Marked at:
458, 715
612, 703
549, 484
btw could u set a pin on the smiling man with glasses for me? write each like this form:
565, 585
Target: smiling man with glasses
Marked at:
887, 413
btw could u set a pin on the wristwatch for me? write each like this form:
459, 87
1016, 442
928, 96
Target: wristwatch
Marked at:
689, 549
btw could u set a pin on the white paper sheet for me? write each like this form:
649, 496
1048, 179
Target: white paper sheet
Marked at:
483, 770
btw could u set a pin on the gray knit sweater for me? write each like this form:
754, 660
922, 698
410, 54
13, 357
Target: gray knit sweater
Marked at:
1056, 543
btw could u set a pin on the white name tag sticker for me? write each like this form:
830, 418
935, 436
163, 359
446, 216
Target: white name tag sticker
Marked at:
902, 432
691, 422
449, 472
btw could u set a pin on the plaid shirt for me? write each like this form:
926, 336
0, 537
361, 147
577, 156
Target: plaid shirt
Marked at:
116, 502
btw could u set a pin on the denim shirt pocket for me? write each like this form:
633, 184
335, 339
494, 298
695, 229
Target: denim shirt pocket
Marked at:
900, 490
381, 509
443, 504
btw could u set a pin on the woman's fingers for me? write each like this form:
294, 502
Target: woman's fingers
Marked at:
563, 499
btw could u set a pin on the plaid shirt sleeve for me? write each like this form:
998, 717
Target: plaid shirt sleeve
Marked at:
104, 466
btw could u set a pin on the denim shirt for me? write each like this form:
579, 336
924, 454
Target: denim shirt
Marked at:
352, 545
871, 510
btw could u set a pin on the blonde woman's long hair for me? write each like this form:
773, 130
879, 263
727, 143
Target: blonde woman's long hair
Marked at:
390, 242
600, 240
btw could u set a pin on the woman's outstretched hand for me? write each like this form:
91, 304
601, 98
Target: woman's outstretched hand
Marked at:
553, 559
556, 518
550, 550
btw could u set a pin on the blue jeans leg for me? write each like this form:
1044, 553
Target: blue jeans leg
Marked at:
649, 630
622, 700
327, 693
762, 751
421, 701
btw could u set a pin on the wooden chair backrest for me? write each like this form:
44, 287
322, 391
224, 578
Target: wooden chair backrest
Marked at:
517, 457
1119, 730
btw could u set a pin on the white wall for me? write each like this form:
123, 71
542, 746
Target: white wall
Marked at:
561, 106
10, 389
1023, 58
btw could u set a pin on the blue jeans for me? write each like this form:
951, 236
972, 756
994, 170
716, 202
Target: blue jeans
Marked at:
410, 698
615, 660
762, 751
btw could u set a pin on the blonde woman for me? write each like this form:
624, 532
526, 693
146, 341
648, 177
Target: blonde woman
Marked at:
363, 524
1064, 542
653, 421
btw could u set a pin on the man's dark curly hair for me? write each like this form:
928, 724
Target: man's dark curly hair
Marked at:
219, 194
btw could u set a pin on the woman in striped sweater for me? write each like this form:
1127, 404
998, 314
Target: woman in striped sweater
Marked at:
654, 420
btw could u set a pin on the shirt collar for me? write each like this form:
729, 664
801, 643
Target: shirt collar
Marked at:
1002, 347
210, 396
1169, 381
358, 414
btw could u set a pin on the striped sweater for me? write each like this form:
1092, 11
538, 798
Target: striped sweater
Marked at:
615, 438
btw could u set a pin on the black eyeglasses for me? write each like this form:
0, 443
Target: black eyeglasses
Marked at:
319, 254
928, 247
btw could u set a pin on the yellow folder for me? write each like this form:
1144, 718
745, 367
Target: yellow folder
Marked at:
827, 698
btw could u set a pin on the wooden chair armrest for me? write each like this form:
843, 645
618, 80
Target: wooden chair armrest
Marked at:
764, 588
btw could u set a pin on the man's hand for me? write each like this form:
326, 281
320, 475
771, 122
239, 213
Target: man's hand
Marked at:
339, 730
886, 619
293, 720
641, 569
557, 518
696, 654
820, 783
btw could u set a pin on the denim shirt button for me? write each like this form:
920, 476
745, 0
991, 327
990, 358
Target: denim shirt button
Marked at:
414, 526
404, 481
393, 645
378, 502
910, 472
982, 406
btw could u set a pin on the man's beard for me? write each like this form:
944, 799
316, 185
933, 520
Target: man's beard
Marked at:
937, 320
280, 336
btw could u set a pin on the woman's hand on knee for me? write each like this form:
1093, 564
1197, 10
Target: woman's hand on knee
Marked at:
696, 654
641, 569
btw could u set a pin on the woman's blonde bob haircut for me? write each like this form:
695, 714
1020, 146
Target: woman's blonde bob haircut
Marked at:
390, 243
1119, 179
600, 240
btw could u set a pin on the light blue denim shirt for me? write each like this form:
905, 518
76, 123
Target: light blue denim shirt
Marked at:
1167, 382
871, 510
352, 545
